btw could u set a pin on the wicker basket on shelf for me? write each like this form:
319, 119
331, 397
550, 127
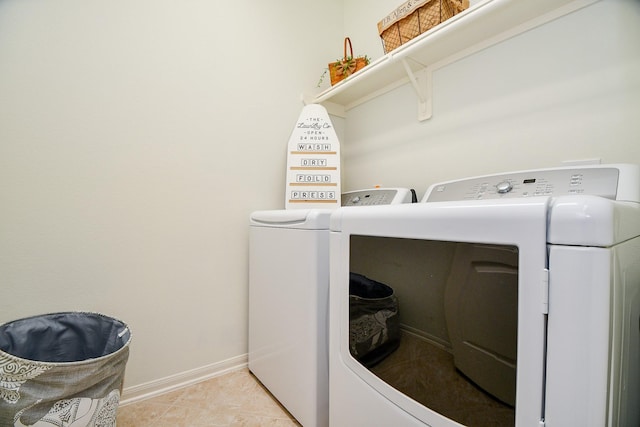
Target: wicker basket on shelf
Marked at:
414, 17
343, 68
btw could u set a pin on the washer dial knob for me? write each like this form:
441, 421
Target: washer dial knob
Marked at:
504, 187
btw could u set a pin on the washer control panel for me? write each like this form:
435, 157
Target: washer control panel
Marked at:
601, 182
376, 196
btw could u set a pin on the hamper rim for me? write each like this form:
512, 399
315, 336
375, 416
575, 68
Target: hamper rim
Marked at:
124, 347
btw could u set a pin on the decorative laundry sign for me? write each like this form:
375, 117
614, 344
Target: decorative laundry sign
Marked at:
313, 162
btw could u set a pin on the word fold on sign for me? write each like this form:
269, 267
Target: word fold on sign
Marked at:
313, 162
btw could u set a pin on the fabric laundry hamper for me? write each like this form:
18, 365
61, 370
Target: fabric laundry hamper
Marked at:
62, 369
374, 325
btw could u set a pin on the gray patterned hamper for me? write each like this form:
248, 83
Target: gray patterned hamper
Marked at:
62, 369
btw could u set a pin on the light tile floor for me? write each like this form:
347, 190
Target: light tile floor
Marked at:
233, 399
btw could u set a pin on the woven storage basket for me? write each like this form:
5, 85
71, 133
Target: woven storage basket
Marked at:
414, 17
342, 69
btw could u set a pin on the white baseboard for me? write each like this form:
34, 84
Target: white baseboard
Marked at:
155, 388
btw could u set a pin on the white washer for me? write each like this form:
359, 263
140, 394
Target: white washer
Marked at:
288, 302
575, 298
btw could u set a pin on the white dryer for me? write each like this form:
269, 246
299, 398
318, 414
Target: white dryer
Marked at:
288, 302
519, 302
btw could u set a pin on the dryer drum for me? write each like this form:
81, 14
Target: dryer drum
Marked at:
374, 324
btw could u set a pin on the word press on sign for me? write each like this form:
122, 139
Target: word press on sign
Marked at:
313, 162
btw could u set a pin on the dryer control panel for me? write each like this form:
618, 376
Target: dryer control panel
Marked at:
601, 181
376, 196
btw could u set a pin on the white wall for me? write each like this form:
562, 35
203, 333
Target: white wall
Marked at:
564, 91
135, 139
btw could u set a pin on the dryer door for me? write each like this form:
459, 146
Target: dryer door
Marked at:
481, 311
411, 248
